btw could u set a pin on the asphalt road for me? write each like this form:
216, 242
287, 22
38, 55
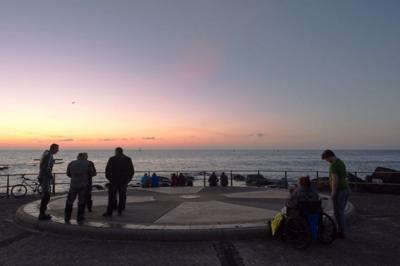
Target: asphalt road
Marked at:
374, 240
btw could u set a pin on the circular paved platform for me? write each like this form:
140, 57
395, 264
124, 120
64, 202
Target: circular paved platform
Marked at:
170, 213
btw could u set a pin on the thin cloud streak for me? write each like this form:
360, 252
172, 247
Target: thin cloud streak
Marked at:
149, 138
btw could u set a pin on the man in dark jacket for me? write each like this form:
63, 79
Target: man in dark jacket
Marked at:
79, 171
45, 177
119, 171
89, 201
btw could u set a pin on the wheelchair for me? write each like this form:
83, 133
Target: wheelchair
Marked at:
309, 223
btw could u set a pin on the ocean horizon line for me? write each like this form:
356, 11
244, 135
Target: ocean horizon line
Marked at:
206, 149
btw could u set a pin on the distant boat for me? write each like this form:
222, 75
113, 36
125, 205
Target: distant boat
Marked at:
140, 149
3, 168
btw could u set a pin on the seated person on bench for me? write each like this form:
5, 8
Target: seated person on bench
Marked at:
302, 194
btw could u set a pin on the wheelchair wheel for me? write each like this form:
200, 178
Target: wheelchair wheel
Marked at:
298, 232
326, 229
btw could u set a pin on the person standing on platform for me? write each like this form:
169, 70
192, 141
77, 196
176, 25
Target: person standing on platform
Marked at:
119, 171
45, 177
89, 201
340, 189
80, 172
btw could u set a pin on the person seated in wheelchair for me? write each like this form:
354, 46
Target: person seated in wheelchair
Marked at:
302, 197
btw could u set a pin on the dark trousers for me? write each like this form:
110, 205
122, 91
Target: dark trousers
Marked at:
73, 192
89, 201
112, 194
45, 184
76, 191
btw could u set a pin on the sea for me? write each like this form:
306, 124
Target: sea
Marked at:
271, 163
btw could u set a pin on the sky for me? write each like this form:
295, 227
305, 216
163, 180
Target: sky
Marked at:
222, 74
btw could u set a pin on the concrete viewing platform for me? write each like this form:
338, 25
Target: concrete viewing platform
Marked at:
171, 213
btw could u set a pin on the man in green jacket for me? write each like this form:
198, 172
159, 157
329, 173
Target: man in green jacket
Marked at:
340, 189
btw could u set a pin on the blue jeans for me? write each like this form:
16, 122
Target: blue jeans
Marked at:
339, 206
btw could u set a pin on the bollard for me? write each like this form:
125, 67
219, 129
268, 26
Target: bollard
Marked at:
204, 179
231, 179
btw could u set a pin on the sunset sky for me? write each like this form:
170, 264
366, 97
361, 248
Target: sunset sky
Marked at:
200, 74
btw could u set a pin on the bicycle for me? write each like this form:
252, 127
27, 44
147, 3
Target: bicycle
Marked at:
20, 190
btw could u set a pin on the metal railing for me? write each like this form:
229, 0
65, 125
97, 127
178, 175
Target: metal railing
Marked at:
281, 178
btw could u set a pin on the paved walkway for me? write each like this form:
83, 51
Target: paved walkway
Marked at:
373, 240
171, 213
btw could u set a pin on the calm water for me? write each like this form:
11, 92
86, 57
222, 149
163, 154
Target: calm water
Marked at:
21, 161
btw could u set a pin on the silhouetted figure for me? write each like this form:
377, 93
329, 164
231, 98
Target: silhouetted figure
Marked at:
145, 181
181, 180
213, 180
174, 180
45, 177
155, 179
79, 171
119, 171
224, 180
189, 182
302, 193
89, 201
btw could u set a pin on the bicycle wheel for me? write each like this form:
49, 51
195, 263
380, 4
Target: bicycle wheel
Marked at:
326, 229
298, 232
18, 191
39, 189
